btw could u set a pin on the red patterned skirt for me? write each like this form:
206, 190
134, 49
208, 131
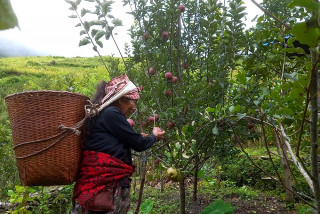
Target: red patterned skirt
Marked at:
98, 171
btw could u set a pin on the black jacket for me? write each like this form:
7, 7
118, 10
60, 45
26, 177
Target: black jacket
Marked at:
110, 132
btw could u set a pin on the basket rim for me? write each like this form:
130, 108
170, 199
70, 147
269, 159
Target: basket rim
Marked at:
46, 91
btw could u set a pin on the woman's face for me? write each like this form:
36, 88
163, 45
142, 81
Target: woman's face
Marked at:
127, 106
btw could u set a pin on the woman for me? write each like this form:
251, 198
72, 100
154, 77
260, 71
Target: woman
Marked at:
104, 183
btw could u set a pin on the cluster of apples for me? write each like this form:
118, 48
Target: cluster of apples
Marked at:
164, 34
151, 120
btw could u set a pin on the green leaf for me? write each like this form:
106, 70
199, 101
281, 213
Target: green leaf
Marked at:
73, 16
82, 32
231, 108
200, 173
146, 206
242, 78
106, 7
86, 25
292, 76
19, 189
210, 109
215, 130
150, 177
306, 35
83, 42
293, 50
99, 34
78, 2
117, 22
94, 32
240, 116
10, 192
8, 18
310, 5
78, 25
99, 43
84, 12
74, 5
19, 200
218, 207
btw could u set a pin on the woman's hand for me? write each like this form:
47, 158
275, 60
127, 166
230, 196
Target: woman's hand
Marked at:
158, 133
144, 134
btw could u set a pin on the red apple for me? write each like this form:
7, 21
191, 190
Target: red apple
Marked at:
145, 36
168, 75
144, 124
165, 35
182, 8
168, 93
250, 126
171, 125
156, 116
157, 161
151, 119
185, 65
151, 71
174, 79
131, 122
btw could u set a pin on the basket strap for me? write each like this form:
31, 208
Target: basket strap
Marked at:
62, 135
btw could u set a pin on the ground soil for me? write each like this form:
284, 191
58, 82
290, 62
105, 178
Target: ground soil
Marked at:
259, 205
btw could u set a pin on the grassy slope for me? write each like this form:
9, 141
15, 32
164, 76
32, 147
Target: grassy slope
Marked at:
19, 74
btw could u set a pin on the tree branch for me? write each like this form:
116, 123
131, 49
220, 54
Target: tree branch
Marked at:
271, 15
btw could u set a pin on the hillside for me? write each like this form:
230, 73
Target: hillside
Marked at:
77, 74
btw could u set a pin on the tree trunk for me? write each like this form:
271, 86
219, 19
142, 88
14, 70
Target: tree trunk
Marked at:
218, 174
182, 196
294, 158
286, 171
195, 182
143, 178
314, 130
162, 183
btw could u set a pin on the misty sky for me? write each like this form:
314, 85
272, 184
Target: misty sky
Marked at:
45, 29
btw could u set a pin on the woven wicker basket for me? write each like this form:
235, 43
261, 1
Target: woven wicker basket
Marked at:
46, 154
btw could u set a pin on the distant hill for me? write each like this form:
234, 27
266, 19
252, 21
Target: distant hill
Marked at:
10, 48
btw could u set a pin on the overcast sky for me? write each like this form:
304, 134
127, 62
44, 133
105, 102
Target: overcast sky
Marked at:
45, 29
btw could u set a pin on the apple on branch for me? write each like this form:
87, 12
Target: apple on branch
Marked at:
152, 71
168, 75
182, 8
174, 79
168, 93
171, 125
165, 35
145, 36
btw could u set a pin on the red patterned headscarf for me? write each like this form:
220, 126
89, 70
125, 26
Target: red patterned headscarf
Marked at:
116, 84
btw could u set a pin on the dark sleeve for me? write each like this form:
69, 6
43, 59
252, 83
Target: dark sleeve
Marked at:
116, 123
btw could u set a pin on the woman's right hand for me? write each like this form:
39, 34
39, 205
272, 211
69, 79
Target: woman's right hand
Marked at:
158, 133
